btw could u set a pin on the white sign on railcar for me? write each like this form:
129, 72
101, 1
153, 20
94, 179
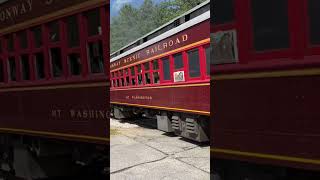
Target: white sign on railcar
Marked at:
178, 76
224, 47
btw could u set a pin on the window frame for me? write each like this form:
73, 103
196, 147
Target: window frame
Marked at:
140, 73
46, 44
44, 50
201, 69
272, 53
243, 26
133, 76
13, 54
127, 76
3, 69
228, 22
122, 77
205, 60
162, 80
309, 48
147, 71
154, 71
97, 38
21, 67
17, 67
3, 58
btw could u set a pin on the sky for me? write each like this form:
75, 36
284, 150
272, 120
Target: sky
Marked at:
117, 4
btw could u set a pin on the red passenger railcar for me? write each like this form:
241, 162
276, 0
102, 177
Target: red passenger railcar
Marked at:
54, 67
165, 74
265, 92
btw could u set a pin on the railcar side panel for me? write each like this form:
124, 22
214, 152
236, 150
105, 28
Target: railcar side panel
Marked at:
266, 112
76, 113
190, 98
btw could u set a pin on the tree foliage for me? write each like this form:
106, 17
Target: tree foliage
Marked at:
132, 23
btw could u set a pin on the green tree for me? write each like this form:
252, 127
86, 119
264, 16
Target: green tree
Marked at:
123, 27
132, 23
147, 13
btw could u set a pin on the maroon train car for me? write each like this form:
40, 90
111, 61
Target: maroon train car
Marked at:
265, 94
54, 78
165, 74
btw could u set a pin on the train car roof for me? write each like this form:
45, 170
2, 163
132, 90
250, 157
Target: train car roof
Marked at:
196, 20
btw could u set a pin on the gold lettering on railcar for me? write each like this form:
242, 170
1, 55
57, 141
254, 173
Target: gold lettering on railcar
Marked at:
80, 114
162, 46
56, 113
115, 64
131, 58
151, 50
16, 10
89, 114
137, 97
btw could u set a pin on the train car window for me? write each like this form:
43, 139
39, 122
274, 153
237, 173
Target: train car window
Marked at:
156, 78
139, 68
133, 73
118, 83
166, 69
123, 82
12, 69
1, 71
314, 23
133, 81
270, 29
208, 51
54, 31
0, 46
128, 81
223, 11
140, 81
23, 40
75, 64
155, 65
39, 59
114, 84
194, 63
10, 43
146, 66
56, 60
93, 21
155, 74
148, 78
178, 61
96, 57
139, 76
37, 37
147, 73
127, 77
73, 31
121, 77
25, 67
